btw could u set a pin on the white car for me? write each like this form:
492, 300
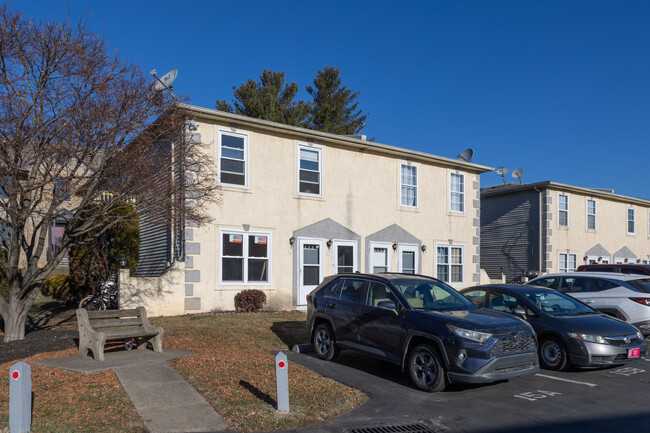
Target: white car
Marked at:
624, 296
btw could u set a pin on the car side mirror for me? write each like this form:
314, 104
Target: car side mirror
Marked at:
518, 311
387, 305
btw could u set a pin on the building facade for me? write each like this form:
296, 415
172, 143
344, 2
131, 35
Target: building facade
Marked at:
551, 227
297, 205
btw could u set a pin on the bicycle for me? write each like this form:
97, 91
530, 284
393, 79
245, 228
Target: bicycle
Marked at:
107, 298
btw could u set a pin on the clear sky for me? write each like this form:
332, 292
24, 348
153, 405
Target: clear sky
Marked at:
560, 89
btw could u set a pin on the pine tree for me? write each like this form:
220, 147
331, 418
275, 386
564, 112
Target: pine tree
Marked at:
269, 99
335, 106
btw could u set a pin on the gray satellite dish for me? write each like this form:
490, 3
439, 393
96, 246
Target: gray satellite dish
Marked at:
517, 174
466, 155
165, 82
502, 171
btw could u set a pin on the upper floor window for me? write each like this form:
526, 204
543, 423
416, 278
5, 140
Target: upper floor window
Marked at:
630, 220
233, 158
61, 189
563, 210
309, 170
457, 188
409, 186
591, 214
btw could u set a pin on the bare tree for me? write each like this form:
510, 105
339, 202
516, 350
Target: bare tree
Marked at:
81, 134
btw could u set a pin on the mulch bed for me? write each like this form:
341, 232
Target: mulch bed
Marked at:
37, 342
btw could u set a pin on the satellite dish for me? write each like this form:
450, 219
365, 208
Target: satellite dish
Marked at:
466, 155
517, 174
502, 171
165, 82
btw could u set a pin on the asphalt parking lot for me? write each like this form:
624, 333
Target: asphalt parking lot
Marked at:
615, 399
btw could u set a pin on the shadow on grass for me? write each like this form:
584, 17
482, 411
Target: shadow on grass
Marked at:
291, 332
257, 393
50, 314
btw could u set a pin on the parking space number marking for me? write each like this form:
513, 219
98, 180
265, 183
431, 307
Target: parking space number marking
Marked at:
532, 396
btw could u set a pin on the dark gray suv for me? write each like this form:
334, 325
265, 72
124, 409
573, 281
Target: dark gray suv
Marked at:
422, 324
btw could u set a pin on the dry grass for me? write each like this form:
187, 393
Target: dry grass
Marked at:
233, 369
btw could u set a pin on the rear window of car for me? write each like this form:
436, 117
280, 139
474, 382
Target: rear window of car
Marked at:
544, 282
351, 290
332, 290
642, 284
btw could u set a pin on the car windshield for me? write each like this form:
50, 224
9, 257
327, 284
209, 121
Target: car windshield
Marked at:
432, 295
642, 284
556, 303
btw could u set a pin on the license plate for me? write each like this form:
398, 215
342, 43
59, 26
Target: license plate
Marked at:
633, 353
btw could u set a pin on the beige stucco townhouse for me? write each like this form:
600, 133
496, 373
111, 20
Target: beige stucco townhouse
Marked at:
549, 227
298, 205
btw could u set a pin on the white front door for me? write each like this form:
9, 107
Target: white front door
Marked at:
380, 257
310, 267
407, 259
345, 257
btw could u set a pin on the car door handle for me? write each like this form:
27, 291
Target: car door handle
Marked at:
330, 305
588, 301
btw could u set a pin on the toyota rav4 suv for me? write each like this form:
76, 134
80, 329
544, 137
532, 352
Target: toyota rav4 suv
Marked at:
421, 324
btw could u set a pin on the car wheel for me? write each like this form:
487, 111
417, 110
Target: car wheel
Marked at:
324, 342
552, 354
426, 370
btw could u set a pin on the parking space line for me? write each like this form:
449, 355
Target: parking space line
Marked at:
566, 380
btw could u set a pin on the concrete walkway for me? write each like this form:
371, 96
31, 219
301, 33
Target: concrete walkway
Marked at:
164, 400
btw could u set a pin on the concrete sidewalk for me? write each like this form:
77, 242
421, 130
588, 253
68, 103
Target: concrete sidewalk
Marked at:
162, 397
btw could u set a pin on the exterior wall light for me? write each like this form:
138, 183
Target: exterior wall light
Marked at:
329, 243
292, 240
423, 248
394, 246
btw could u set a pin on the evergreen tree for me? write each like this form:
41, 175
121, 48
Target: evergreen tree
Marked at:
335, 106
269, 99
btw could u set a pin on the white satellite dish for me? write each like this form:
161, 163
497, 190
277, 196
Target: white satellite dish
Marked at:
502, 171
517, 174
466, 155
165, 82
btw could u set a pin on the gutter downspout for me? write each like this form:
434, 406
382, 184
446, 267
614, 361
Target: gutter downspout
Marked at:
541, 228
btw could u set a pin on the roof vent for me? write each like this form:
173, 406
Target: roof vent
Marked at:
358, 137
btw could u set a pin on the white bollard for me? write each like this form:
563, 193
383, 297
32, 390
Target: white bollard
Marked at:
20, 398
282, 382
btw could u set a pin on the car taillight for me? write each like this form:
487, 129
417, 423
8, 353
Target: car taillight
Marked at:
642, 301
308, 298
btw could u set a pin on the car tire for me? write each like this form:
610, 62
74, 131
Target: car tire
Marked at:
426, 370
553, 354
325, 342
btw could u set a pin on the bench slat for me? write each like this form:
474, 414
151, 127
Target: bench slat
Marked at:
114, 323
107, 314
127, 332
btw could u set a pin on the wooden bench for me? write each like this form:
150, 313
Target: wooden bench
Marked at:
98, 327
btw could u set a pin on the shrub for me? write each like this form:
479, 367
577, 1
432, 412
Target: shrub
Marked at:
58, 287
250, 301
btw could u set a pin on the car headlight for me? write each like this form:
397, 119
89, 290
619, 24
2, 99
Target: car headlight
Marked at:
639, 335
481, 337
589, 338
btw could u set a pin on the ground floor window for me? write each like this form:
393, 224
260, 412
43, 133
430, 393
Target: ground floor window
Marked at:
245, 257
449, 263
567, 262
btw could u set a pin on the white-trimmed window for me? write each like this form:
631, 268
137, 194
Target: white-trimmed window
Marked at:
457, 188
407, 259
380, 257
309, 170
591, 214
563, 210
409, 185
245, 257
233, 158
566, 262
449, 263
630, 221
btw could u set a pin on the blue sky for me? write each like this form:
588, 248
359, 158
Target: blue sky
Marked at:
558, 88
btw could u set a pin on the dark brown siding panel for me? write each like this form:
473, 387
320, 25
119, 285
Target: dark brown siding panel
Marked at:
510, 234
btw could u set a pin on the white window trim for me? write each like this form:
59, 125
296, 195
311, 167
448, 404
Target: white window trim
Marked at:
567, 262
245, 257
320, 169
416, 259
416, 186
462, 254
568, 207
627, 220
594, 214
220, 133
452, 192
590, 259
389, 249
340, 242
